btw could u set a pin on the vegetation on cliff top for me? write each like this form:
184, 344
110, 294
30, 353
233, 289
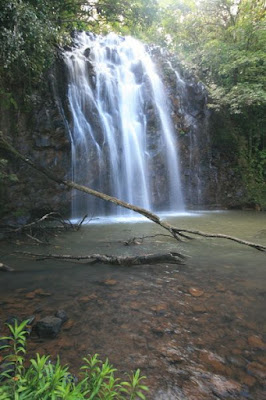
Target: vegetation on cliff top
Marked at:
224, 42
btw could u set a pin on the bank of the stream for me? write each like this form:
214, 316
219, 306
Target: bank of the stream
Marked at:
196, 331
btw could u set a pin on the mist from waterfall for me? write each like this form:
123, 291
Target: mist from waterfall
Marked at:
123, 142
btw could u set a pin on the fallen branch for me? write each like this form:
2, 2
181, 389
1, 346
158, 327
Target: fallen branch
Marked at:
174, 231
34, 223
171, 258
38, 232
139, 240
81, 222
222, 236
35, 239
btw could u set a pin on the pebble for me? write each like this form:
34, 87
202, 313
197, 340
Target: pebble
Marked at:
213, 360
86, 299
198, 308
110, 282
256, 369
249, 380
195, 292
65, 343
159, 307
68, 325
223, 387
256, 342
37, 292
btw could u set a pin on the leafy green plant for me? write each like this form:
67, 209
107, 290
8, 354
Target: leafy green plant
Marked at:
44, 380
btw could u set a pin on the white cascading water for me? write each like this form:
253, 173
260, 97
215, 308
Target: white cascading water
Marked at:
112, 86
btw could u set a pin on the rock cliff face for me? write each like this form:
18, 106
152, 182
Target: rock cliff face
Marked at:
38, 131
208, 177
41, 132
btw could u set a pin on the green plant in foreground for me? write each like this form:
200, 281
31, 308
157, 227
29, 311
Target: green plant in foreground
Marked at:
44, 380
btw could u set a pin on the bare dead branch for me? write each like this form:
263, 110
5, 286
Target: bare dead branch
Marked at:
135, 239
81, 222
35, 239
34, 223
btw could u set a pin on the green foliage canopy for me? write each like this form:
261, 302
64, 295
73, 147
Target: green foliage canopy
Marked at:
30, 31
225, 42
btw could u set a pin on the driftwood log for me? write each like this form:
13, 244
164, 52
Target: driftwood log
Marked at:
177, 233
170, 258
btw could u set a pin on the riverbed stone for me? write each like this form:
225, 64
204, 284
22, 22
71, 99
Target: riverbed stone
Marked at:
216, 362
62, 315
173, 356
224, 388
158, 308
256, 342
256, 369
68, 325
110, 282
42, 293
30, 295
249, 380
199, 308
87, 299
236, 361
195, 292
65, 343
37, 292
49, 327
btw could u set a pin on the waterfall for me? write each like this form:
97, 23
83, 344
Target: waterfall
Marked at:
123, 142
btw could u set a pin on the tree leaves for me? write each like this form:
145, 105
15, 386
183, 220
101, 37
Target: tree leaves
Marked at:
225, 42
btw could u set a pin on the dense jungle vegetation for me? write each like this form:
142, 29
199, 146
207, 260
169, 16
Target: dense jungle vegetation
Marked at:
222, 41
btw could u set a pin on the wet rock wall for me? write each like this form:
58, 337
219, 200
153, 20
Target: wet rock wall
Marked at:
208, 174
40, 131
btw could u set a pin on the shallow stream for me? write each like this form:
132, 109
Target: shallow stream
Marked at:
197, 331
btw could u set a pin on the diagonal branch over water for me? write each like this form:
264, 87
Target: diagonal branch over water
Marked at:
177, 233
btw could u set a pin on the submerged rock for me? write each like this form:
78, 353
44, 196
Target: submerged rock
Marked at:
225, 388
49, 327
62, 315
256, 342
37, 292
